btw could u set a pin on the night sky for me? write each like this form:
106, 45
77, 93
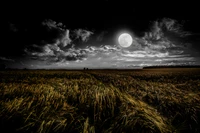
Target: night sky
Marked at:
78, 34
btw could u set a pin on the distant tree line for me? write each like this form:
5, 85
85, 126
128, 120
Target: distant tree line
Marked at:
85, 68
173, 66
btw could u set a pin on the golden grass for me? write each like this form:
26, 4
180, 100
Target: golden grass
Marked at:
100, 101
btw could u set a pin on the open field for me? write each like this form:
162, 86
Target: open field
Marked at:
147, 100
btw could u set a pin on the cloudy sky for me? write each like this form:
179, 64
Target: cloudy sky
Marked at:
78, 34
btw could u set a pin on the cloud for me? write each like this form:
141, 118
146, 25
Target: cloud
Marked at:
53, 25
6, 59
157, 47
64, 40
164, 27
106, 56
139, 54
83, 34
50, 31
101, 35
56, 53
165, 36
53, 53
103, 49
13, 27
65, 36
62, 49
165, 33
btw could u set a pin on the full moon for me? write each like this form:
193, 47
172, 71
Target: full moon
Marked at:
125, 40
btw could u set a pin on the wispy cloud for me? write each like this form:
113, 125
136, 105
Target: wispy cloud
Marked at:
101, 35
6, 59
53, 25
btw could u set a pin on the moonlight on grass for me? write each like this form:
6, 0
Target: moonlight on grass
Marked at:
125, 40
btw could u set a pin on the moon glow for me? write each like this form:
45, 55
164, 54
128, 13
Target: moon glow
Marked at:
125, 40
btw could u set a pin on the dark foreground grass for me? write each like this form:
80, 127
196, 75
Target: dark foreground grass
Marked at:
155, 100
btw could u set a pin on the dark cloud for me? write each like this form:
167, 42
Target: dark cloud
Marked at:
6, 59
62, 35
101, 35
13, 27
51, 31
83, 34
33, 48
165, 27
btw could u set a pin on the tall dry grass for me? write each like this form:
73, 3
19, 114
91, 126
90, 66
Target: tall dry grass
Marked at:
93, 101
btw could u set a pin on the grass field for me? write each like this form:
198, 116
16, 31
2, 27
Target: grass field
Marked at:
139, 101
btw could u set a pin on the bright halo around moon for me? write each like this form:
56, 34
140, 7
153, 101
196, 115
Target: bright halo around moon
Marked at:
125, 40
